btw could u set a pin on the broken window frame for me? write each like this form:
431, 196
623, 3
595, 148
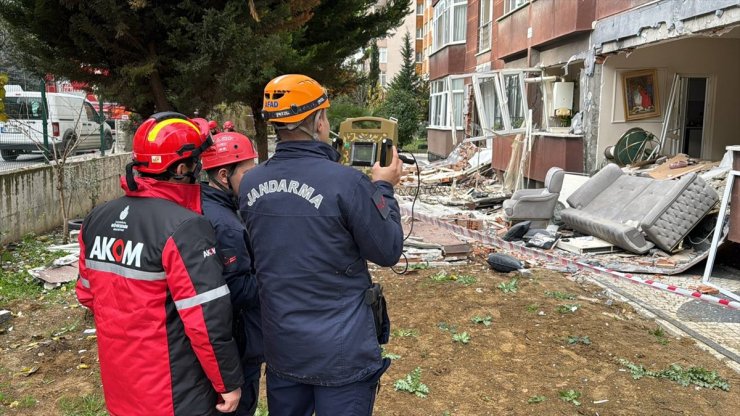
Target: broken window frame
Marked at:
451, 104
502, 100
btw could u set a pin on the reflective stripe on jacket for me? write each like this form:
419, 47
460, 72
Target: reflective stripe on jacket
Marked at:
150, 274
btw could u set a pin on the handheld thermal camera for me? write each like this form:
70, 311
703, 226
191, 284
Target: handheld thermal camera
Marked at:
363, 141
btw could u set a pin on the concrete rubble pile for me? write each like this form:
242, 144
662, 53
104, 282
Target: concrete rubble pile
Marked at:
461, 195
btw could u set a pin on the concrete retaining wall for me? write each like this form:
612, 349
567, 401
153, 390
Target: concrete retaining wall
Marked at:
30, 201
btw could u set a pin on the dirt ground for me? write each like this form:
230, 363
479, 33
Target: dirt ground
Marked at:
523, 353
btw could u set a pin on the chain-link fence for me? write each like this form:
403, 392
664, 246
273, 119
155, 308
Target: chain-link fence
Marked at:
43, 127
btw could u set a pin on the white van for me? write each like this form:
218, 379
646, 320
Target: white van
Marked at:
71, 119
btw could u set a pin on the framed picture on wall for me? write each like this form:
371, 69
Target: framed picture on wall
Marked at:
641, 98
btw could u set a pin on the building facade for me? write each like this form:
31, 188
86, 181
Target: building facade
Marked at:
669, 67
389, 48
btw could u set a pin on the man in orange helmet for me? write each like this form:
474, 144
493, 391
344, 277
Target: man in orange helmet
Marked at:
150, 274
225, 162
313, 224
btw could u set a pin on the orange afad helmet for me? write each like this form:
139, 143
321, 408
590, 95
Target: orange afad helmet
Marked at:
291, 98
164, 139
227, 149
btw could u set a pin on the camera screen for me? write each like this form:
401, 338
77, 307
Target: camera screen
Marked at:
363, 154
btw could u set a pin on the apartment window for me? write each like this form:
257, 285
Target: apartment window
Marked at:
510, 5
383, 79
419, 56
419, 8
438, 103
458, 101
501, 101
419, 33
383, 52
514, 101
490, 105
484, 25
448, 25
439, 98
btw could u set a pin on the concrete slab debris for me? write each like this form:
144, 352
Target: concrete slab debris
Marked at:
5, 316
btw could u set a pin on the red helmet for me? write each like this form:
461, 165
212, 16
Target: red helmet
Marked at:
228, 125
212, 124
228, 148
163, 139
202, 125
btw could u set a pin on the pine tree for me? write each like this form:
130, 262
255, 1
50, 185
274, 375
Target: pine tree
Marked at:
407, 79
407, 96
373, 76
185, 55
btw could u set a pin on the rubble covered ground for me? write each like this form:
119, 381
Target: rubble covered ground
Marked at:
483, 342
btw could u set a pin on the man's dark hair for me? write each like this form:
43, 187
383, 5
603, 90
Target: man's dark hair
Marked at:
171, 170
213, 172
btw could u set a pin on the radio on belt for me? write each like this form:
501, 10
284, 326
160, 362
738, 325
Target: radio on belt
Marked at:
363, 141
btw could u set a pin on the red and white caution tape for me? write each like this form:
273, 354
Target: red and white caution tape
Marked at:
533, 253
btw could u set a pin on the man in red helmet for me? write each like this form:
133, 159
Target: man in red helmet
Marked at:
213, 127
229, 127
150, 274
225, 162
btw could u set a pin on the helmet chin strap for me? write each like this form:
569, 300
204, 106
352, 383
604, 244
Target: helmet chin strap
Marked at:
228, 190
191, 176
315, 133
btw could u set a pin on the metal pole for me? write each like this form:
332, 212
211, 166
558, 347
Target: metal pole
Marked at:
102, 128
718, 229
45, 120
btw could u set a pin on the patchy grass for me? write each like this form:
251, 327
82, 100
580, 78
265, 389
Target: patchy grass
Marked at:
88, 405
412, 384
536, 399
485, 320
463, 338
463, 279
27, 402
389, 355
659, 335
560, 295
15, 261
568, 308
405, 333
698, 376
466, 279
509, 287
570, 396
573, 340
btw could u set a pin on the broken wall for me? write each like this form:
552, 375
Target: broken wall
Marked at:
718, 58
30, 200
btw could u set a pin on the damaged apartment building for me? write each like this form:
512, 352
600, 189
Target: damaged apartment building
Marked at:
492, 61
616, 93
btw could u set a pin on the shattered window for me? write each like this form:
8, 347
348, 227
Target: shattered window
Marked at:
490, 105
514, 101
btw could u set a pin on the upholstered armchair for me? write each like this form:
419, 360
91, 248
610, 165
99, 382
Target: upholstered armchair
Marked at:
536, 205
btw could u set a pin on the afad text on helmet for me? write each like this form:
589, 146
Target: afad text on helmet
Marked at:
283, 185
